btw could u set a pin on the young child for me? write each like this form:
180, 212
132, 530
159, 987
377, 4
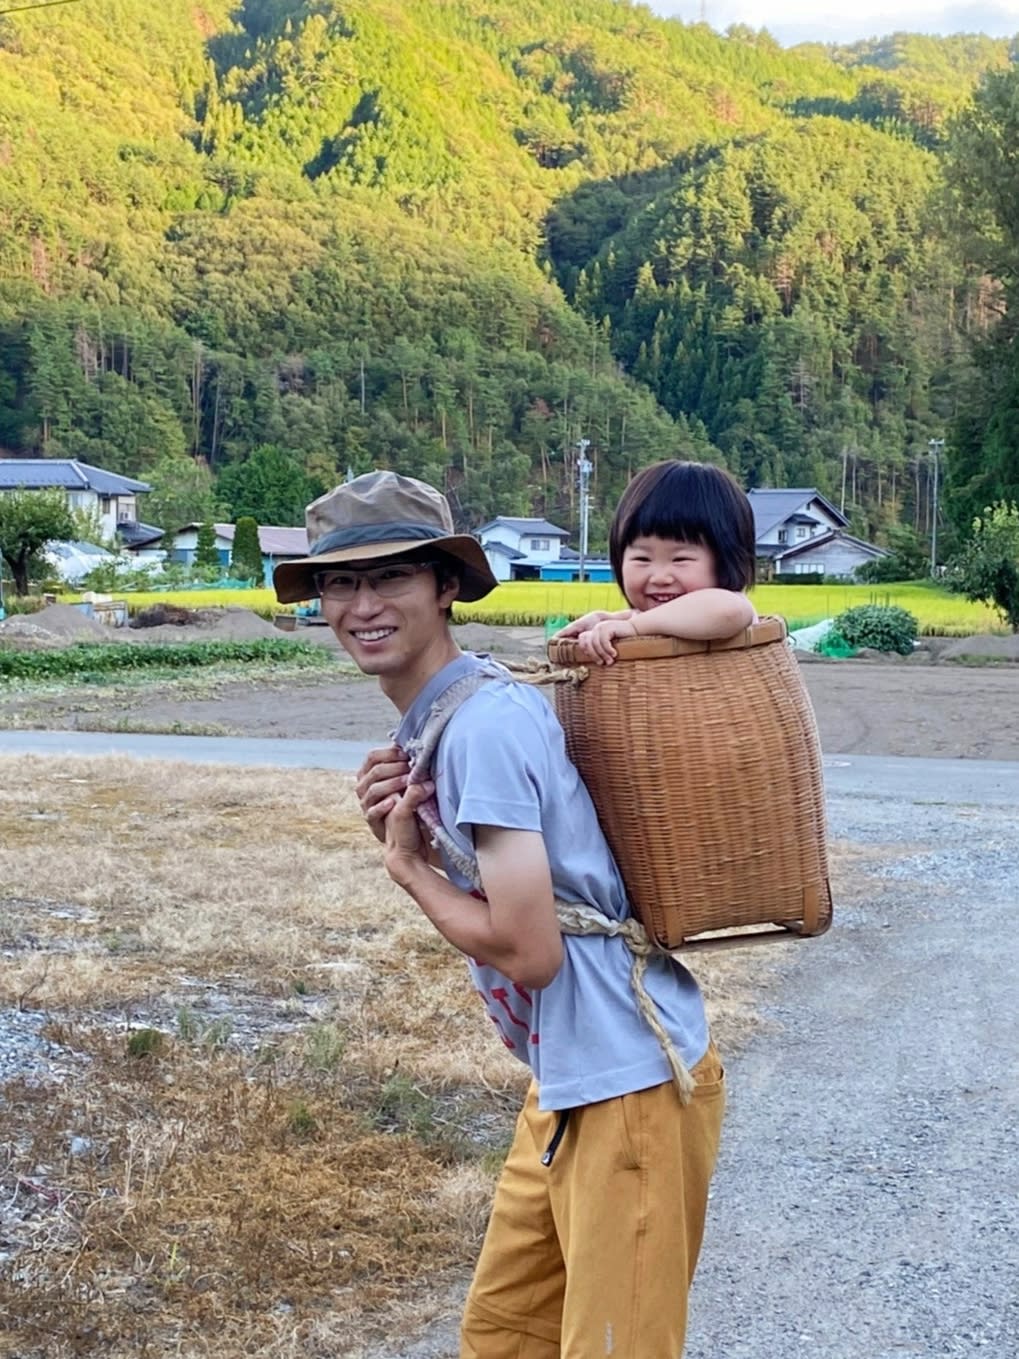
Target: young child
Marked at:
682, 546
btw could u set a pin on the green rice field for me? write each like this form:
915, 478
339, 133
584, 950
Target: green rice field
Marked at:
938, 612
533, 603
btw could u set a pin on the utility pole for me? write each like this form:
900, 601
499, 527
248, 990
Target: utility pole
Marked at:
584, 470
934, 448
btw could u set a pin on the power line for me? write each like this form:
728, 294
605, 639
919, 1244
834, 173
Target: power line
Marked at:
39, 4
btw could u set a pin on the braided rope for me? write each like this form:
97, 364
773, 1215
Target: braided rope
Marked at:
537, 672
574, 918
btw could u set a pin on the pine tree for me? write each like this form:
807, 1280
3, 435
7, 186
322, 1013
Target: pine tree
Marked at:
206, 552
247, 554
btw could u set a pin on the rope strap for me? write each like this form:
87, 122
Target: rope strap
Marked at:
537, 672
585, 920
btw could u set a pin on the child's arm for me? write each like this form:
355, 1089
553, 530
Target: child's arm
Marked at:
701, 616
590, 620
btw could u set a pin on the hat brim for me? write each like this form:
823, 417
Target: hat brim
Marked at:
295, 580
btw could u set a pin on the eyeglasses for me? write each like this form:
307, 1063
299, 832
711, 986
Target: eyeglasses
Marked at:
387, 581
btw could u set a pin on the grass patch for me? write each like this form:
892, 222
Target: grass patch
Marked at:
278, 1107
94, 663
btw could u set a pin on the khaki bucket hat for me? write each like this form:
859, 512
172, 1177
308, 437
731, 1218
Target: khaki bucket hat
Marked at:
380, 515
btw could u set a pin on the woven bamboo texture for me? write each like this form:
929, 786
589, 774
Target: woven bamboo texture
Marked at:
704, 765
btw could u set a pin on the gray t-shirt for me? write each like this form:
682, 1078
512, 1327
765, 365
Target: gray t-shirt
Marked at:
502, 762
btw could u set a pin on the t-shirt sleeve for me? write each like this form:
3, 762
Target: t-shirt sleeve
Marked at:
496, 759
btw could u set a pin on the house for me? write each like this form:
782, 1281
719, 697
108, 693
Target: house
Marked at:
834, 554
113, 498
800, 532
278, 544
517, 549
567, 568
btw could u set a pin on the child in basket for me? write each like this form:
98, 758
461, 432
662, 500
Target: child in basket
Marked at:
682, 546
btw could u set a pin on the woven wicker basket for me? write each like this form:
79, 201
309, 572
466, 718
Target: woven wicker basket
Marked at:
704, 765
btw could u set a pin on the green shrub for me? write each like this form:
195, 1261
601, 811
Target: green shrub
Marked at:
882, 627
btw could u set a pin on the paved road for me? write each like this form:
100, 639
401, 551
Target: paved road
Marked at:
866, 1204
980, 781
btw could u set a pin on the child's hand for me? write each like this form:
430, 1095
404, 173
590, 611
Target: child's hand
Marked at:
597, 641
581, 625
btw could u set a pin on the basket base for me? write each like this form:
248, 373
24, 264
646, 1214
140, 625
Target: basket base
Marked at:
744, 938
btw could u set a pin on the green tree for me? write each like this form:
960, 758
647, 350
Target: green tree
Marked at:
270, 486
206, 552
247, 554
182, 493
28, 521
987, 567
982, 189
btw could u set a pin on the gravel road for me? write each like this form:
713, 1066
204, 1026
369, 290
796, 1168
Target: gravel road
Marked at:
866, 1205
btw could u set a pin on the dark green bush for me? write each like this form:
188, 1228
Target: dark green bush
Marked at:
96, 662
883, 627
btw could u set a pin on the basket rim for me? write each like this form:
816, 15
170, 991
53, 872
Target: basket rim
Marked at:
765, 632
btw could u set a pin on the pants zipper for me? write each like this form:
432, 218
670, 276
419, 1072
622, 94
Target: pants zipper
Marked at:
557, 1137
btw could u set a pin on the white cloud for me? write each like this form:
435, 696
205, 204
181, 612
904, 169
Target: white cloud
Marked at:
792, 21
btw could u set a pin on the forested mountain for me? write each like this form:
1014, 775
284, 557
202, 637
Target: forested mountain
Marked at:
278, 240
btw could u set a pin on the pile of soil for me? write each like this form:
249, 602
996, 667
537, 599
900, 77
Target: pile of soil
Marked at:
61, 625
56, 625
205, 625
981, 647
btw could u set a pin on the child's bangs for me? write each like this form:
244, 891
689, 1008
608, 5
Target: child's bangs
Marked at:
677, 508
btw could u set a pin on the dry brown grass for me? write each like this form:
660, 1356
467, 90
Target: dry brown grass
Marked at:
306, 1160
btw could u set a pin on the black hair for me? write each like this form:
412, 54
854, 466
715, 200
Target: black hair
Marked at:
692, 502
448, 569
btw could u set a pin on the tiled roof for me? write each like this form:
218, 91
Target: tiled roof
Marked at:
538, 527
774, 507
67, 473
133, 534
493, 545
822, 539
274, 540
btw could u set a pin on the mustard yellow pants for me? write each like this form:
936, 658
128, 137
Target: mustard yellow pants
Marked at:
593, 1254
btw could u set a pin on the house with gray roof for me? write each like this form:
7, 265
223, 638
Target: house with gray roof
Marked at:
517, 549
113, 498
278, 544
800, 532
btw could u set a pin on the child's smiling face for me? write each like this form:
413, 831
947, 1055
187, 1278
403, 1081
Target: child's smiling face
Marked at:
657, 570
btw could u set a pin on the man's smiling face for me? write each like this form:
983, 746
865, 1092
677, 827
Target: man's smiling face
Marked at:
394, 622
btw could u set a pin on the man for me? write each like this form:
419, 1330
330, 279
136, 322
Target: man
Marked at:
599, 1212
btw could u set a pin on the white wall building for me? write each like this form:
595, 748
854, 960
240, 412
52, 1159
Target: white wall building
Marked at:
112, 497
520, 546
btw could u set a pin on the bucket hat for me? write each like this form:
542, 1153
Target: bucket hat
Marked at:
378, 515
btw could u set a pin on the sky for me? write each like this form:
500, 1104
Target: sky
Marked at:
792, 21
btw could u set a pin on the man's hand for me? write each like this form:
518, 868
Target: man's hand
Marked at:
406, 847
380, 781
597, 642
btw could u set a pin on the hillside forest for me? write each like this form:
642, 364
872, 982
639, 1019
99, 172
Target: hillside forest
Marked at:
249, 246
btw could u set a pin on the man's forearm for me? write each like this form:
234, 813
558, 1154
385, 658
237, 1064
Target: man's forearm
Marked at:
464, 920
